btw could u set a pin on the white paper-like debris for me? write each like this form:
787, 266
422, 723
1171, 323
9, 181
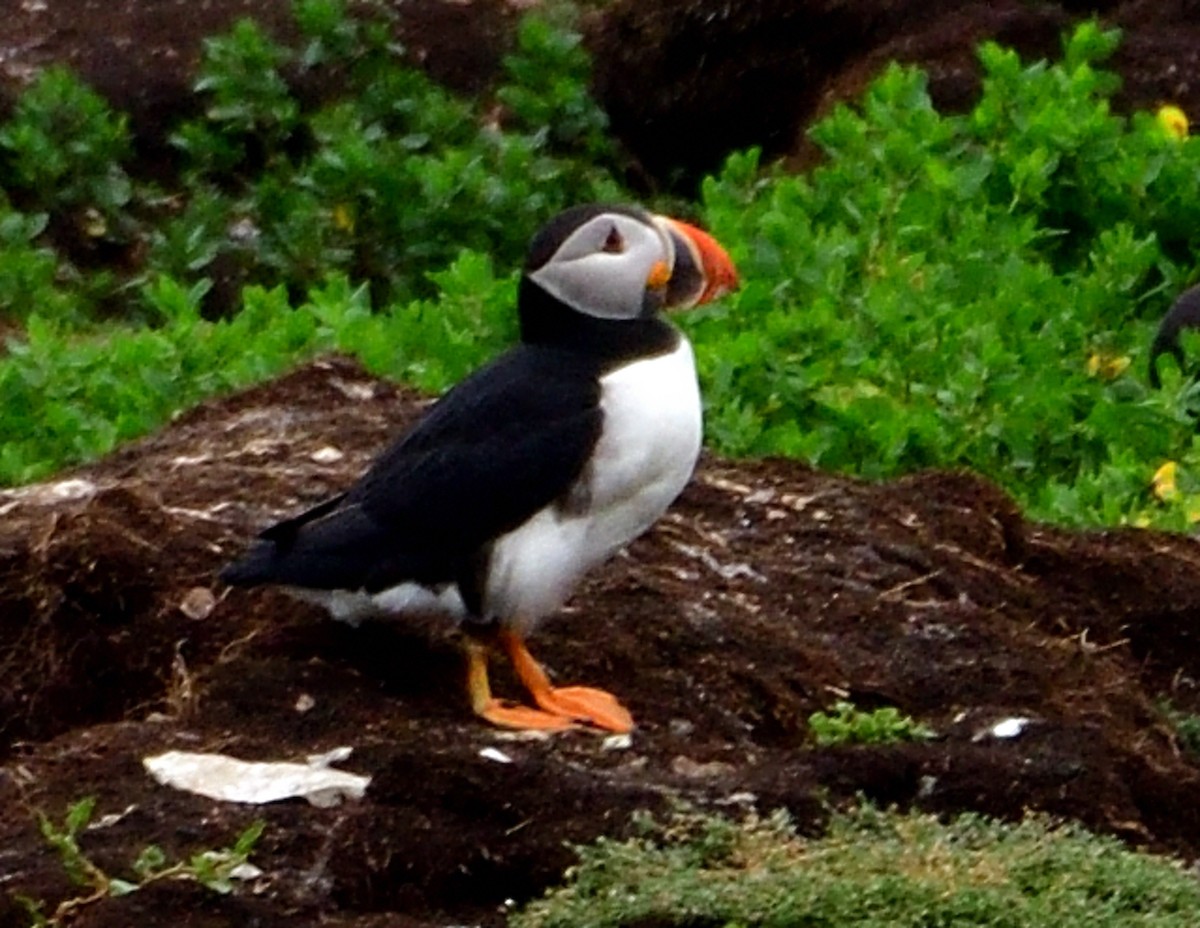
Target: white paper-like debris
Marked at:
742, 798
49, 494
495, 754
531, 734
188, 460
332, 756
228, 779
354, 391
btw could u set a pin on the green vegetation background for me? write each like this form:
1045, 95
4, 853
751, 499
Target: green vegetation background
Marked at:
972, 291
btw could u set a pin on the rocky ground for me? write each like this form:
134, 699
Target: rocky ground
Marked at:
770, 591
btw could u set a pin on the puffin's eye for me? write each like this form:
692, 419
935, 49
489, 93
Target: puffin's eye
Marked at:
614, 244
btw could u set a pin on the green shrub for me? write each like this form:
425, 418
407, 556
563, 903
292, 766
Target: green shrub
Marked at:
546, 91
382, 174
389, 178
28, 272
964, 291
249, 103
62, 150
955, 291
869, 870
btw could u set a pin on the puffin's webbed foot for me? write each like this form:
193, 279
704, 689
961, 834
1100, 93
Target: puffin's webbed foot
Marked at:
500, 712
559, 708
598, 708
594, 707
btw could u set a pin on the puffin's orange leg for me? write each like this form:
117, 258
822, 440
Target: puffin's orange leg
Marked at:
499, 712
577, 703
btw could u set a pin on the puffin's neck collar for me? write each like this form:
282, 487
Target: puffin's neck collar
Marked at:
547, 322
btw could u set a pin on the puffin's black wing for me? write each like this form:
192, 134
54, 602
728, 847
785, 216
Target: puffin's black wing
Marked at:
504, 443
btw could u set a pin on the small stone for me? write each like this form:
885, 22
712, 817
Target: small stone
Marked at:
681, 728
495, 754
695, 770
199, 603
1009, 728
327, 455
1004, 729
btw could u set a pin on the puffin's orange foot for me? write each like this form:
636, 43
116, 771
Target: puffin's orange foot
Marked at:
577, 703
509, 715
585, 704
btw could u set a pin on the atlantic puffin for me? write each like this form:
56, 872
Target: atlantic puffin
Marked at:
532, 470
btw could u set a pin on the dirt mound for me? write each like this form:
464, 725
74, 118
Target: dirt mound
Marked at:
768, 592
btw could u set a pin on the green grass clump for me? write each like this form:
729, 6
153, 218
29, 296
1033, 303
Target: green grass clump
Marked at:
966, 291
847, 724
214, 869
871, 869
1185, 724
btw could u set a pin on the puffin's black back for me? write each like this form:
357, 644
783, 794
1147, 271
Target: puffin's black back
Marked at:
501, 445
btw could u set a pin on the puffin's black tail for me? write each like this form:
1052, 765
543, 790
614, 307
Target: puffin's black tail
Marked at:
252, 568
267, 560
1183, 314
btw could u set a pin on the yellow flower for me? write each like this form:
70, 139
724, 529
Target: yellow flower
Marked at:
94, 223
1173, 120
343, 218
1163, 482
1107, 366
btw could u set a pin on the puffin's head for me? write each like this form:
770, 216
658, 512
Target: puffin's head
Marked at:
621, 262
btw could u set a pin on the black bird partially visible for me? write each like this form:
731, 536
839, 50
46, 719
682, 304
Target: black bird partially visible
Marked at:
1183, 314
534, 469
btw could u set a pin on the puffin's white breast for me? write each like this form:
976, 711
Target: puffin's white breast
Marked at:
643, 459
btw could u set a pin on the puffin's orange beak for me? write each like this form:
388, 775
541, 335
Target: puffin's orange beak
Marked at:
703, 269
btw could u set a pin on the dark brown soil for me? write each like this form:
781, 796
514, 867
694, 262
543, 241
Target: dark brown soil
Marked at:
768, 592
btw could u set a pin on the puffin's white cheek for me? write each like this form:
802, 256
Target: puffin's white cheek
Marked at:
600, 285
